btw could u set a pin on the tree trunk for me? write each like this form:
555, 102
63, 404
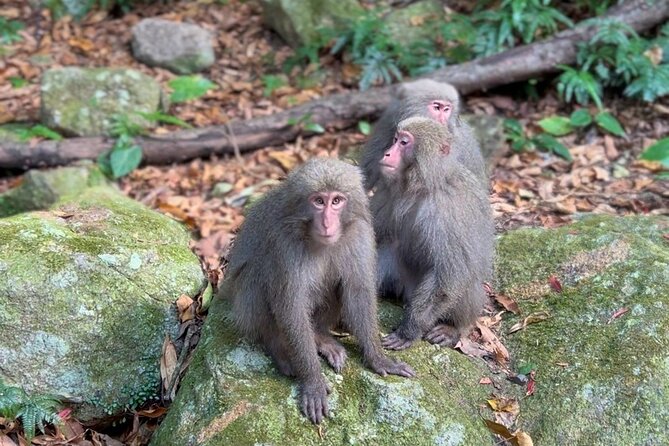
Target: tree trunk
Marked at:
337, 111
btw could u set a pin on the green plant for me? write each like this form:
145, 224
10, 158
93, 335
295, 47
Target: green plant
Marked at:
305, 122
17, 82
520, 142
122, 159
37, 131
186, 88
525, 20
581, 119
34, 411
272, 82
616, 56
164, 119
658, 152
9, 31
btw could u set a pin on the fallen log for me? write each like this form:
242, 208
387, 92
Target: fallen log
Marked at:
337, 111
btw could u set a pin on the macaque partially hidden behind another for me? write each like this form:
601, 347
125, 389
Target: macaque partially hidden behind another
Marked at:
426, 98
435, 235
303, 261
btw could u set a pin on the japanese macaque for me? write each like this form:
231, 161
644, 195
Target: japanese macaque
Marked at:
430, 99
304, 261
435, 235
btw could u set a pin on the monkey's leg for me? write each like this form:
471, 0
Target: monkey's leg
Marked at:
388, 281
457, 319
420, 315
277, 348
328, 347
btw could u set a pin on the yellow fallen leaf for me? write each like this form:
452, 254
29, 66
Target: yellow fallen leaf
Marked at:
523, 439
287, 160
531, 319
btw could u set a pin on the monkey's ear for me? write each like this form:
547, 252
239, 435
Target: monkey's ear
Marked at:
446, 148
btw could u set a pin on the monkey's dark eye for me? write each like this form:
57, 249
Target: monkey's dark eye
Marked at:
404, 142
437, 106
319, 201
336, 200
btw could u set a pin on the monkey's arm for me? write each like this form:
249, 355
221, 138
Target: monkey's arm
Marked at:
359, 312
291, 311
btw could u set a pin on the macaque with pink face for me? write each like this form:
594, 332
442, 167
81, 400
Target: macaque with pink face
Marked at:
435, 235
429, 99
304, 261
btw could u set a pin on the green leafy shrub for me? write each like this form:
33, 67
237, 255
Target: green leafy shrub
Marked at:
9, 31
616, 56
580, 119
186, 88
35, 411
37, 131
520, 142
500, 28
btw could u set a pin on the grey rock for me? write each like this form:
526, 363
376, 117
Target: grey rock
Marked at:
84, 101
489, 131
180, 47
298, 21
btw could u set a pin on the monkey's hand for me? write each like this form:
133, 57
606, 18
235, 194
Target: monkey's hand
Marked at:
383, 365
395, 341
314, 400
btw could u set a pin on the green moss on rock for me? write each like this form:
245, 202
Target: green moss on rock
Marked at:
86, 298
83, 101
615, 386
232, 394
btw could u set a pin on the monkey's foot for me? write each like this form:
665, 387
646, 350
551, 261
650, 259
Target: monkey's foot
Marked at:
314, 401
395, 341
284, 366
333, 352
443, 335
386, 366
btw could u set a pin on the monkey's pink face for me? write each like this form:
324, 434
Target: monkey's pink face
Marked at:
327, 208
395, 157
439, 110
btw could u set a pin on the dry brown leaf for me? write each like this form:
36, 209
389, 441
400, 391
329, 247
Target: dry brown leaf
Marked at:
185, 308
531, 319
617, 314
6, 441
510, 405
168, 363
523, 438
485, 380
555, 283
508, 303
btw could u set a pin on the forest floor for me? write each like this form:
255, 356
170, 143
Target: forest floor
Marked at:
527, 189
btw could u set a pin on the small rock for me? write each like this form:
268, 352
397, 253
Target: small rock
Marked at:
221, 189
180, 47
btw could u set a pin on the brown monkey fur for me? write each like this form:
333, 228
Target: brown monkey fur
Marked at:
292, 277
435, 233
414, 99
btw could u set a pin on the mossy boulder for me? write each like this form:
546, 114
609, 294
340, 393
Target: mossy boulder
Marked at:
87, 293
83, 101
600, 380
298, 21
40, 189
233, 395
415, 22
